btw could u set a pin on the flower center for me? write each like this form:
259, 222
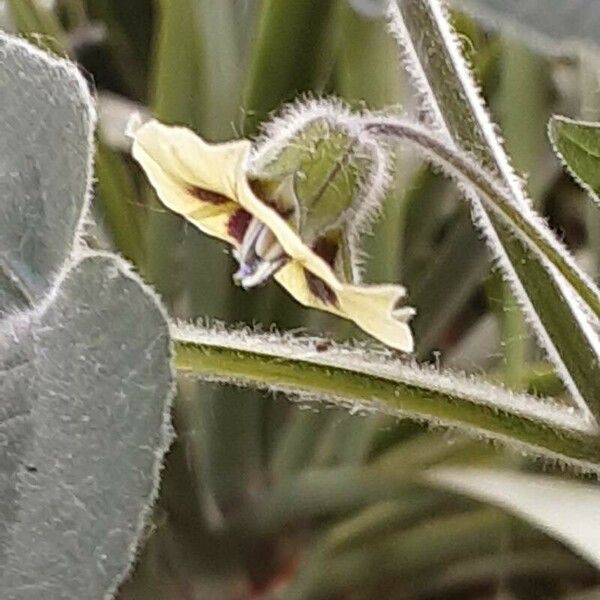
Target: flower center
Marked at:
260, 255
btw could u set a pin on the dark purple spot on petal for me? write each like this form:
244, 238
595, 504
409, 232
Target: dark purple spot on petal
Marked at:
238, 224
207, 196
327, 249
320, 289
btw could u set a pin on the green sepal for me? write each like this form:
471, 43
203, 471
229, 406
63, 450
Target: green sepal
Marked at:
330, 168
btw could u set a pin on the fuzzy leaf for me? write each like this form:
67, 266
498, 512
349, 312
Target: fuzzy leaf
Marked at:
89, 444
578, 146
48, 120
565, 510
85, 371
15, 424
552, 304
557, 26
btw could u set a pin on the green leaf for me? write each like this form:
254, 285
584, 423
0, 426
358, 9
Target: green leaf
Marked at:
524, 93
196, 67
40, 22
221, 66
177, 64
117, 197
297, 443
406, 555
286, 55
578, 146
565, 510
45, 168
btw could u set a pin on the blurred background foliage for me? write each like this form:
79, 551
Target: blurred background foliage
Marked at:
267, 498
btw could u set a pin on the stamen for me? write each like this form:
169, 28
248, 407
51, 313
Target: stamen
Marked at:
260, 255
251, 276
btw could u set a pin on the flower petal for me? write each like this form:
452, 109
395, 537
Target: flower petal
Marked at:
371, 307
191, 177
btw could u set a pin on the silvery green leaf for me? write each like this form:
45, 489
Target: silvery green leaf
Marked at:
566, 510
15, 422
45, 166
90, 443
370, 8
555, 26
85, 371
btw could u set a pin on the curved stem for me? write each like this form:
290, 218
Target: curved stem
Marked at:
469, 173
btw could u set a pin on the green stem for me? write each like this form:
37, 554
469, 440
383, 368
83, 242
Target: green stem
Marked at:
496, 198
534, 425
433, 58
520, 227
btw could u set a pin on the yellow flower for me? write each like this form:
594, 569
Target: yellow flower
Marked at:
209, 185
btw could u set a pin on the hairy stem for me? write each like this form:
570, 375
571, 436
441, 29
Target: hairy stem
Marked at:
468, 172
376, 383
